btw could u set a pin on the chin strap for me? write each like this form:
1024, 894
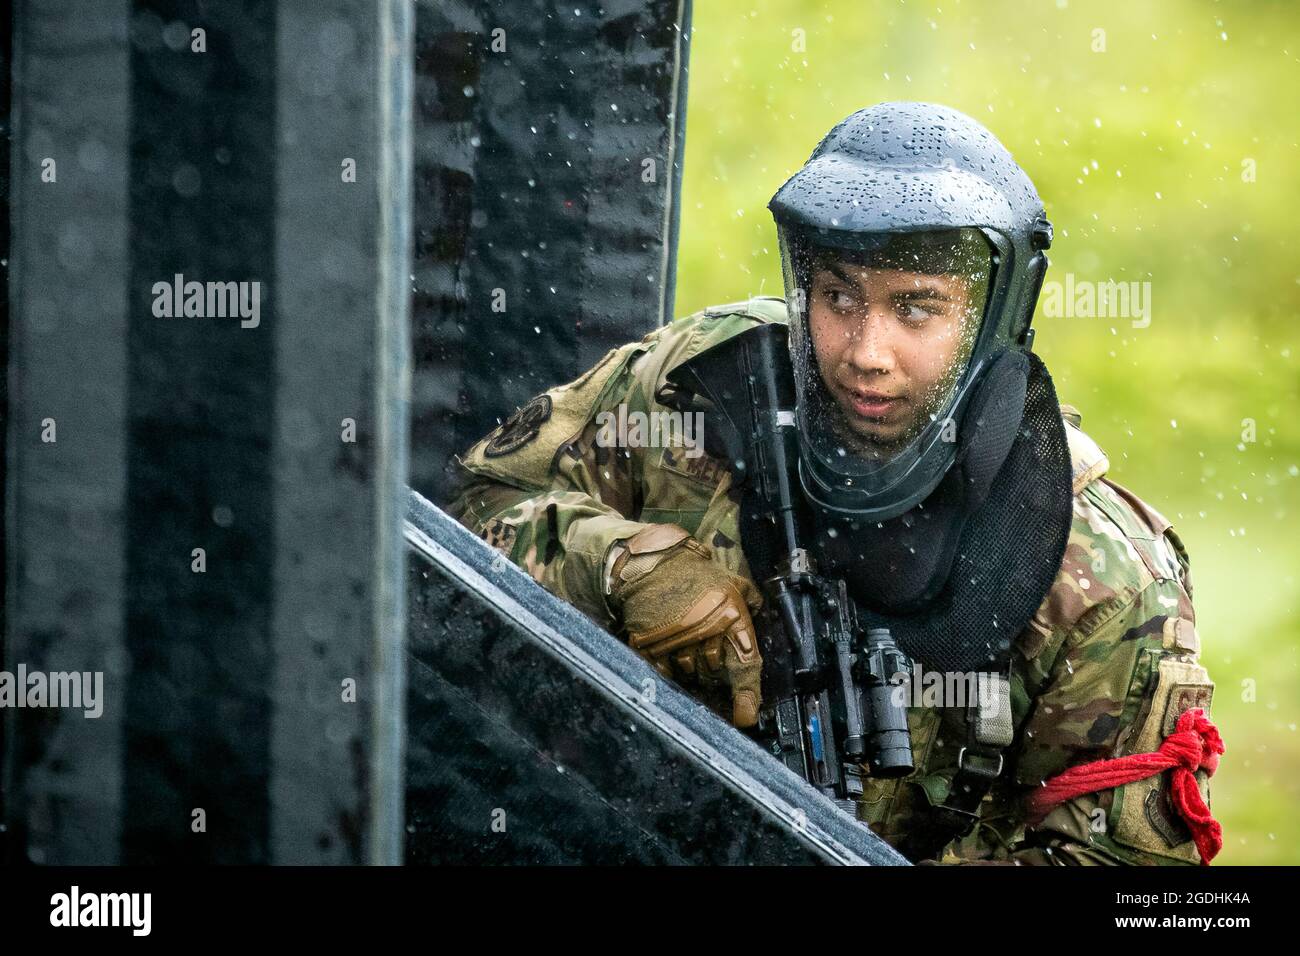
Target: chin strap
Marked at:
1194, 745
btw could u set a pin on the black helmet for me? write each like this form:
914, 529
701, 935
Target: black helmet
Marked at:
920, 223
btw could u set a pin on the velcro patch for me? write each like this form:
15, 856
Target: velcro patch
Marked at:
1182, 698
1141, 816
520, 428
1180, 634
1164, 820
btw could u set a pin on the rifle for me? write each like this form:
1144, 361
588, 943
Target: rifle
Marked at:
830, 685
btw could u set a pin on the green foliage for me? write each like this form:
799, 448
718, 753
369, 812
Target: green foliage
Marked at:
1143, 152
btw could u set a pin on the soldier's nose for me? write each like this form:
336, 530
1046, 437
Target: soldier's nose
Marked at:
870, 350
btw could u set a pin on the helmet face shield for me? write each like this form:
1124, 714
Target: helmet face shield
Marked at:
882, 334
913, 250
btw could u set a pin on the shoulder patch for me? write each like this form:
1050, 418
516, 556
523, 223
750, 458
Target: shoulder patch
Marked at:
521, 450
520, 428
1139, 817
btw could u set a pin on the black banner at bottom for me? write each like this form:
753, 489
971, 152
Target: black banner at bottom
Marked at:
917, 905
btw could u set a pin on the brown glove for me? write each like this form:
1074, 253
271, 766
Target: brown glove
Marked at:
687, 615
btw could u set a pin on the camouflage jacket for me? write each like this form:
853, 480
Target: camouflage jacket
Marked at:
1103, 669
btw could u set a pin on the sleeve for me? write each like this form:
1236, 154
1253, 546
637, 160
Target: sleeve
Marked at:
551, 497
559, 537
1117, 687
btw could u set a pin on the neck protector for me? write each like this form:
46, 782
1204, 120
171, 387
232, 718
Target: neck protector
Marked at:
958, 576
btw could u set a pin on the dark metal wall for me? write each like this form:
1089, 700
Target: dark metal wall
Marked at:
6, 139
548, 144
198, 402
219, 160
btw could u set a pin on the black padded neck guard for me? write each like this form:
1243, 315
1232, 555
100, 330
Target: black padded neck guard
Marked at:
959, 576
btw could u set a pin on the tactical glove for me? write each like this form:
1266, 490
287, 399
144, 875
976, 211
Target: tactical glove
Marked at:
687, 614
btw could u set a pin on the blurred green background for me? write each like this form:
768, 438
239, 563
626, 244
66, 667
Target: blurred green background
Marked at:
1165, 149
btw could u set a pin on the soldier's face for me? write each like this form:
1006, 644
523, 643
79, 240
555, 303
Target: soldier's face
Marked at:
889, 344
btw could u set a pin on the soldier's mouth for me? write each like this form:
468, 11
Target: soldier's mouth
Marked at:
874, 404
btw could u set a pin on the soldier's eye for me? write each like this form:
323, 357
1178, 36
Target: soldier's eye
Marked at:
839, 300
917, 313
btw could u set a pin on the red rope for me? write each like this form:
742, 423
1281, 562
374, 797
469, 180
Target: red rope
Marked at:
1194, 745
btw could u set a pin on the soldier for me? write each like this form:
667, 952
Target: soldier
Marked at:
943, 481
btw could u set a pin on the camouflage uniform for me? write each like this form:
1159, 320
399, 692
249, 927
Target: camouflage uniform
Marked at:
1103, 669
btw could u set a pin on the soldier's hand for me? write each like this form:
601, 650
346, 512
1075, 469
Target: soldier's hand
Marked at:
687, 615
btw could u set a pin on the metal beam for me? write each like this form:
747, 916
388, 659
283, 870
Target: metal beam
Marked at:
536, 737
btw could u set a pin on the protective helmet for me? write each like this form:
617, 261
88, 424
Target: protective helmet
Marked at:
912, 247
